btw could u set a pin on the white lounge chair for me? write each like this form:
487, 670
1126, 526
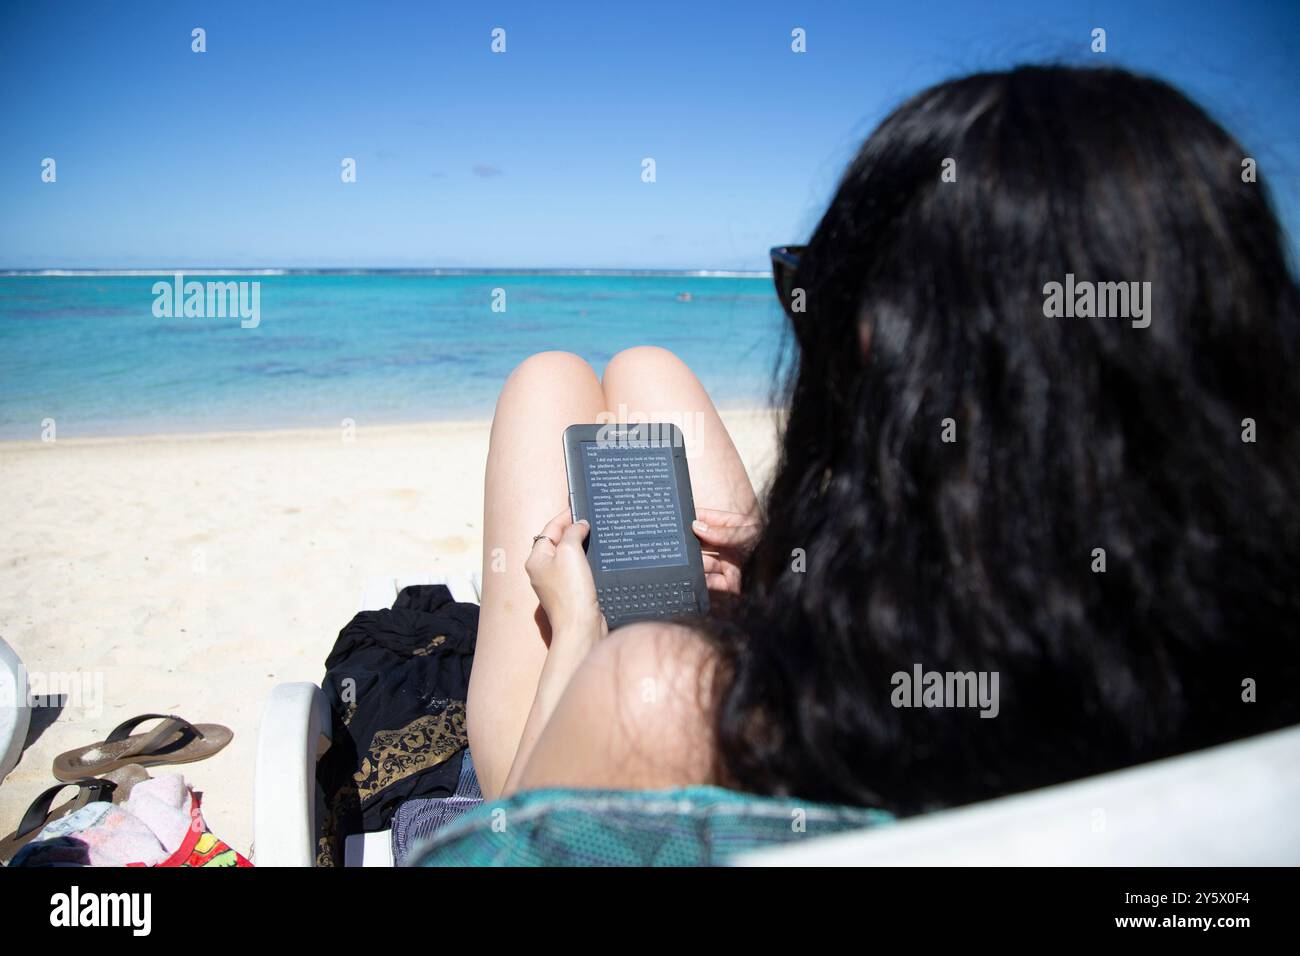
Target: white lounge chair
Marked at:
1228, 805
1232, 805
15, 709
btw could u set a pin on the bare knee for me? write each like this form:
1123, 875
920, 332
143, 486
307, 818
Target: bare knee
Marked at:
642, 361
547, 368
542, 377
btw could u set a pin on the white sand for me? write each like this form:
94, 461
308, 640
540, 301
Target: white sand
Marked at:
191, 574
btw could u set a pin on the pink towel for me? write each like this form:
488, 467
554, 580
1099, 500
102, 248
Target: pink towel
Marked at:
147, 829
163, 805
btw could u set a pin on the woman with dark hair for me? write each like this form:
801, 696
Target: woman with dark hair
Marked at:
1090, 495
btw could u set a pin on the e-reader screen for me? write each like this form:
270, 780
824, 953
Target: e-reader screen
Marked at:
635, 510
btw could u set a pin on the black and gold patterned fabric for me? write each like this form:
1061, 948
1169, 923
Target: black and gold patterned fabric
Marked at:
396, 681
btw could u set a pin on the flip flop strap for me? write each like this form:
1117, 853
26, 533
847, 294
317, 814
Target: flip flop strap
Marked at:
147, 743
88, 787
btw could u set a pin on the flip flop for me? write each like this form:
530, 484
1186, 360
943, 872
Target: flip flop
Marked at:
175, 740
39, 813
125, 778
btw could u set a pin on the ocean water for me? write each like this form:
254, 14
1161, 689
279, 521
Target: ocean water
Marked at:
89, 352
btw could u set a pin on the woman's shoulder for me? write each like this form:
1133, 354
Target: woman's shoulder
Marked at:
665, 650
636, 714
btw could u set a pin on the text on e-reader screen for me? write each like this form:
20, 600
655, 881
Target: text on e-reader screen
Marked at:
635, 513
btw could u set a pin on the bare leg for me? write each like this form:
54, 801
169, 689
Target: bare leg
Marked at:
653, 384
524, 487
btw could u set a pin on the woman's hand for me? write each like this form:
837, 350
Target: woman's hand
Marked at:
730, 537
558, 571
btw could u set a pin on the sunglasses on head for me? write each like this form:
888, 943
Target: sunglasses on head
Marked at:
785, 262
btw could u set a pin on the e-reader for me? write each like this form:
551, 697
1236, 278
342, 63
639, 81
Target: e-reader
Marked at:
632, 485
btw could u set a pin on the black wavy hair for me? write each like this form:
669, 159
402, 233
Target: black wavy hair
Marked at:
925, 302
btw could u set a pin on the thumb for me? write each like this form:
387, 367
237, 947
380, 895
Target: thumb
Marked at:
576, 533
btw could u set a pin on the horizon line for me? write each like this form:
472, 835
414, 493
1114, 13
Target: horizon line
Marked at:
389, 270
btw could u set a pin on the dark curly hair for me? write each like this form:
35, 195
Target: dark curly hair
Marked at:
925, 302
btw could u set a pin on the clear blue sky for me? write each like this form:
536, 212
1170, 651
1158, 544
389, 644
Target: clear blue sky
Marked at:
531, 158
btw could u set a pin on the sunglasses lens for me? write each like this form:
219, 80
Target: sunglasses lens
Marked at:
780, 279
785, 261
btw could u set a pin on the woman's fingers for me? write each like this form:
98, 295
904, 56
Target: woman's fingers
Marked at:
555, 527
721, 575
725, 537
543, 549
717, 562
717, 581
724, 519
558, 572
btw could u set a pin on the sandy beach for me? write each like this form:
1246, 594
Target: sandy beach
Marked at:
190, 574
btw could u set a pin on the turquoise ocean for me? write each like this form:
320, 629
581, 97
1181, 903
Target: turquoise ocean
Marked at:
90, 352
